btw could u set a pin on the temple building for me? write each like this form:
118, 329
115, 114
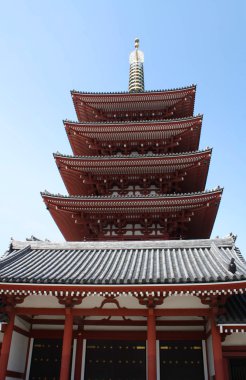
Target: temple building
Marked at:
139, 290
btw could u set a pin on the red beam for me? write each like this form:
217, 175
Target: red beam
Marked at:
180, 335
235, 354
123, 322
115, 335
122, 335
126, 288
114, 312
234, 348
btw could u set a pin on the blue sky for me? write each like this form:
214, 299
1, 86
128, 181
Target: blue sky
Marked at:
51, 47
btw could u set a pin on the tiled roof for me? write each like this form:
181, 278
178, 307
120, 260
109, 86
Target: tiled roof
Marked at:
235, 310
145, 262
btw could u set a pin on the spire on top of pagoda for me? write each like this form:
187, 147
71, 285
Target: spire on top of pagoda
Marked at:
136, 60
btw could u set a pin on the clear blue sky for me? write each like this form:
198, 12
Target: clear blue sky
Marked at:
51, 47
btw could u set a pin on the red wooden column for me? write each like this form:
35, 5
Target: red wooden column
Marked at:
6, 345
151, 340
67, 345
78, 359
217, 351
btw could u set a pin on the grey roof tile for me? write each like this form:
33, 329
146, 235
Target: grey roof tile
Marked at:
181, 261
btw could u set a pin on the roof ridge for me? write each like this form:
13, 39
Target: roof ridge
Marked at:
148, 244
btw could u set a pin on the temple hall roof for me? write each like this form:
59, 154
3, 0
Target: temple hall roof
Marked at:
155, 262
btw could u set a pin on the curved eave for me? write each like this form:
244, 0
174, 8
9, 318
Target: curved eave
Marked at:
93, 106
72, 214
112, 125
196, 289
86, 139
121, 200
76, 171
126, 160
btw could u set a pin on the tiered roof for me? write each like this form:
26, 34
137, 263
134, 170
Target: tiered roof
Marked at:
181, 172
134, 217
160, 136
137, 173
147, 105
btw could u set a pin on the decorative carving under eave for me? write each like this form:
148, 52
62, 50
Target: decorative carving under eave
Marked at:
150, 301
216, 303
7, 304
70, 301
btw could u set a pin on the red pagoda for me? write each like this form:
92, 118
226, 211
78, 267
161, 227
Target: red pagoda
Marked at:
139, 290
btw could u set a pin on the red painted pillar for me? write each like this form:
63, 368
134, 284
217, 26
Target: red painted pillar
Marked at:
151, 339
66, 346
78, 359
217, 351
6, 346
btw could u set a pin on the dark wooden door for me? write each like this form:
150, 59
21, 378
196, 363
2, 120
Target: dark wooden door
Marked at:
238, 369
115, 360
46, 359
181, 360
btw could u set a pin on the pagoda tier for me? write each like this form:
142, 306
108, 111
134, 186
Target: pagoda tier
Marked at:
186, 216
136, 174
160, 137
126, 106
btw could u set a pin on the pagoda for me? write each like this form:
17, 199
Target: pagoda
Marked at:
136, 173
139, 290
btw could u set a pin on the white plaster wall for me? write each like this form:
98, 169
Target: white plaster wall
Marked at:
29, 359
204, 355
73, 357
55, 317
210, 356
18, 352
235, 339
130, 302
96, 301
177, 318
182, 302
90, 301
41, 301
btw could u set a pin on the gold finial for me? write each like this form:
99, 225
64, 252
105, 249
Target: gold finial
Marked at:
136, 43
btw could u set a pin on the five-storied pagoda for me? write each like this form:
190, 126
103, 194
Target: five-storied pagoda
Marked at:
139, 290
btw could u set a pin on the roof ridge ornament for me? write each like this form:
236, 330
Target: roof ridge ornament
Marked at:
136, 60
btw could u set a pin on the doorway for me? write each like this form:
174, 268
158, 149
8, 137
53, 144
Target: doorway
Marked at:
238, 369
115, 360
181, 360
